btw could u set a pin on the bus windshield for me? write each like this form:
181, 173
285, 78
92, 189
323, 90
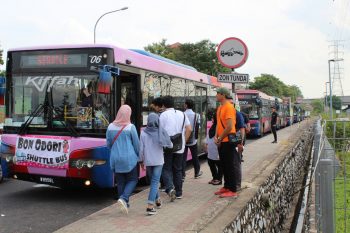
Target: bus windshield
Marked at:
249, 107
72, 99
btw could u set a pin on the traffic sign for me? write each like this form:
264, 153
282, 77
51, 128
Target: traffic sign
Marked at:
233, 78
232, 53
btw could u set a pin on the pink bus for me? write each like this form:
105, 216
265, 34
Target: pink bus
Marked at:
50, 136
257, 105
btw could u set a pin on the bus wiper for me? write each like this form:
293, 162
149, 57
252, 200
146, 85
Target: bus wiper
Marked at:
35, 113
66, 124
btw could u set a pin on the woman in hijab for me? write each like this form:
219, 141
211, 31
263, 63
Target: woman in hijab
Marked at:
123, 142
213, 155
152, 141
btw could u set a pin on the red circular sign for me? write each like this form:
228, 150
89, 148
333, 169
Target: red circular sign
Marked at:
232, 52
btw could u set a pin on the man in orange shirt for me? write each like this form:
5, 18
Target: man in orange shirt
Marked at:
226, 124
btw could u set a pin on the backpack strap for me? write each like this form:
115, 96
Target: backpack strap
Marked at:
183, 123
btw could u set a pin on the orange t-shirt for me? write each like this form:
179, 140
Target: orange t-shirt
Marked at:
225, 112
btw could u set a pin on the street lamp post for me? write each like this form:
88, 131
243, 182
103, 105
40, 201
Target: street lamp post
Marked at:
121, 9
330, 86
326, 104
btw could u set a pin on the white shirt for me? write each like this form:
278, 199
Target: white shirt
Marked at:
172, 120
190, 115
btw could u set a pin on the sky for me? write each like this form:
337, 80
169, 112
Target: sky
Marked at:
291, 39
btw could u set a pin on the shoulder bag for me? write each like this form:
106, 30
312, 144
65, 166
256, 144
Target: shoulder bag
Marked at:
176, 140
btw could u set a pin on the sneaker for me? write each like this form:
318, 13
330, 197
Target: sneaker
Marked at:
221, 191
151, 211
159, 203
172, 195
179, 197
216, 182
162, 187
200, 173
122, 206
229, 194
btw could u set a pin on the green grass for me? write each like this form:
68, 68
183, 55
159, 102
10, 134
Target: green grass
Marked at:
342, 195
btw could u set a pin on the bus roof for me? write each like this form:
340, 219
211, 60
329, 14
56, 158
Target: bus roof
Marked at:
142, 59
250, 91
143, 52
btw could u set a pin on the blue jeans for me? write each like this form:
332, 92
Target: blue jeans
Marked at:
172, 172
154, 173
126, 183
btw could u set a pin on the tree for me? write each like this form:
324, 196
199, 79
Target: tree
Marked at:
268, 84
271, 85
2, 72
200, 55
161, 49
336, 102
317, 106
1, 60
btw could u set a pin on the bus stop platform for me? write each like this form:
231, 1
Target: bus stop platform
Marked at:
199, 210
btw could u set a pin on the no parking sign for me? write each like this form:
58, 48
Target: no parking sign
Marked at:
232, 52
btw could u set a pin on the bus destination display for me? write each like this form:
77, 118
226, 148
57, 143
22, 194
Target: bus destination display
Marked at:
53, 60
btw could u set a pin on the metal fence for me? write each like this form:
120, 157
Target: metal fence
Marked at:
332, 176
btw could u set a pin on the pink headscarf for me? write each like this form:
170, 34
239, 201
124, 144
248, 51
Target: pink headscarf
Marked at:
123, 116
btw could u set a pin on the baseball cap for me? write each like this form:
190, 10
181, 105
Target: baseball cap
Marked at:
224, 91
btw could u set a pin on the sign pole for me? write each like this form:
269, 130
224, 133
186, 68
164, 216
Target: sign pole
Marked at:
233, 87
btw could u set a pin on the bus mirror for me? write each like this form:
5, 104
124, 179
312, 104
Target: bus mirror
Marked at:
104, 82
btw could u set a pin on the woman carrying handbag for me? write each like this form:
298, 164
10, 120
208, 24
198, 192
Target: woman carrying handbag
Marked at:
123, 142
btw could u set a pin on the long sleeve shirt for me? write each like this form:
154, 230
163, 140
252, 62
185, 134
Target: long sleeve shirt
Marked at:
151, 153
125, 150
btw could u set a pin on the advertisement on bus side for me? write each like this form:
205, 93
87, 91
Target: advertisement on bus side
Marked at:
42, 152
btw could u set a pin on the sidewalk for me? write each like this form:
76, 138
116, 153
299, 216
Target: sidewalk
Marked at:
200, 209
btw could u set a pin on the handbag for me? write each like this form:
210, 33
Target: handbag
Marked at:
176, 140
233, 138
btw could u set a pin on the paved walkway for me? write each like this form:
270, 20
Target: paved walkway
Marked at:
200, 209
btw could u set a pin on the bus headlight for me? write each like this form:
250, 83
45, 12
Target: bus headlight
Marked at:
90, 163
9, 158
79, 164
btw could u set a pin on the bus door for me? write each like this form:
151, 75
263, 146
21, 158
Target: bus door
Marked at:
201, 108
128, 92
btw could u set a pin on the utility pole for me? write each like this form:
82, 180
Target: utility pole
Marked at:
337, 71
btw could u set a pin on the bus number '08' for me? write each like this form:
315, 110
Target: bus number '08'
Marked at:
95, 59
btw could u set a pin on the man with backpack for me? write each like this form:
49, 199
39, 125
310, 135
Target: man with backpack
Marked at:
191, 143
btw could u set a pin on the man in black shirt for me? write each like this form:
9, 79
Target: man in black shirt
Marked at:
274, 117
